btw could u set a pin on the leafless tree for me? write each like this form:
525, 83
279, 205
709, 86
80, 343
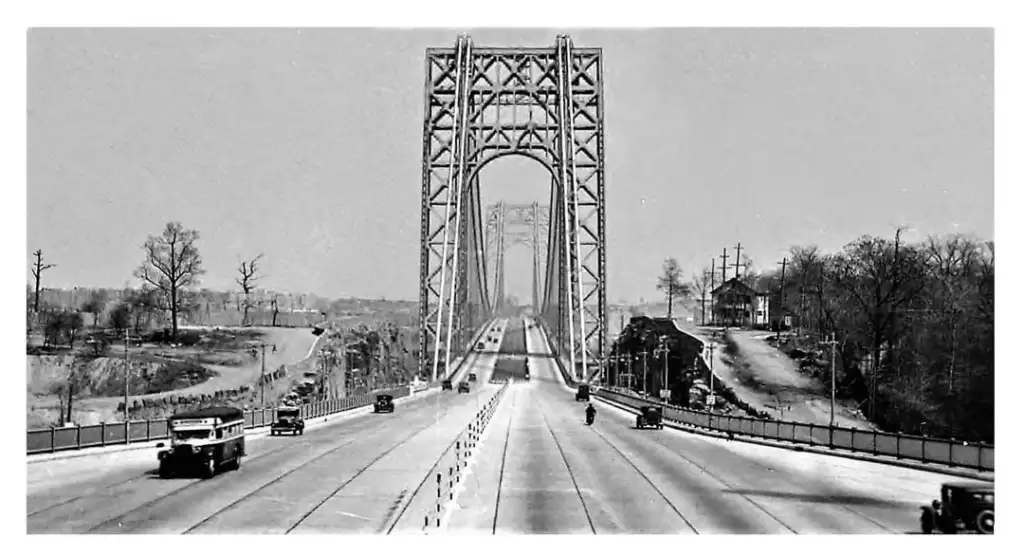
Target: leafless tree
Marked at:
248, 279
702, 285
37, 271
172, 264
671, 282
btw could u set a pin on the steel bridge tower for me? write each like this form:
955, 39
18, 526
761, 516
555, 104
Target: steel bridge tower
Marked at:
533, 221
483, 103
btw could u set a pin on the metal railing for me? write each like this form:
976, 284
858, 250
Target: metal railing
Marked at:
140, 431
979, 456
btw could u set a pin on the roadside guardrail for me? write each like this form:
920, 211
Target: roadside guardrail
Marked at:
929, 450
55, 439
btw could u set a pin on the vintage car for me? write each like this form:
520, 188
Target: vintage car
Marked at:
385, 403
583, 393
965, 506
203, 440
289, 420
650, 416
472, 378
463, 386
446, 385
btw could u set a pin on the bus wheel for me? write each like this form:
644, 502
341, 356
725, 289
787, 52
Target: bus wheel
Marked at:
211, 469
165, 471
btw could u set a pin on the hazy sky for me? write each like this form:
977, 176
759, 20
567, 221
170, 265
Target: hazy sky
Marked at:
305, 145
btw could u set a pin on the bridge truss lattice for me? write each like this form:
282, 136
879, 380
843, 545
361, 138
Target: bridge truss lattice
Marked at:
482, 104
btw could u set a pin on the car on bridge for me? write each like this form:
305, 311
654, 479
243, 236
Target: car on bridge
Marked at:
463, 386
965, 506
289, 420
650, 416
385, 403
203, 440
446, 385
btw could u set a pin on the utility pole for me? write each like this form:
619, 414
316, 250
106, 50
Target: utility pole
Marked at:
712, 290
126, 375
737, 263
782, 297
37, 272
263, 376
725, 257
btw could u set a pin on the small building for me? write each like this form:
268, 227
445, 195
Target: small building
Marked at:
738, 305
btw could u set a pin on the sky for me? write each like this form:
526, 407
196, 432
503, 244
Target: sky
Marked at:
306, 145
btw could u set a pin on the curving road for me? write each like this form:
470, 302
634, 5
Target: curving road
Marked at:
356, 474
542, 470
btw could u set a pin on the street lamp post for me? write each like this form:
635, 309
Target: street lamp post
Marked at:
127, 374
832, 403
662, 350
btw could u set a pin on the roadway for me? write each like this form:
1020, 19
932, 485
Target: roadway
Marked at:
537, 469
354, 474
540, 469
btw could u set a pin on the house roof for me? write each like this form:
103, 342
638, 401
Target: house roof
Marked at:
735, 284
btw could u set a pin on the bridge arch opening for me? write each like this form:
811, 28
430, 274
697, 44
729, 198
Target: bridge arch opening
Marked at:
520, 188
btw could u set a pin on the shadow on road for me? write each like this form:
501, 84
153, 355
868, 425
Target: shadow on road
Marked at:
825, 498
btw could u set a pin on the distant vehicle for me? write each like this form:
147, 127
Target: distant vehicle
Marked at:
203, 440
583, 393
966, 506
472, 378
288, 420
463, 386
446, 385
480, 345
385, 403
650, 416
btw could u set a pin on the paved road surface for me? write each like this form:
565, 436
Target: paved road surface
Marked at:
351, 476
540, 469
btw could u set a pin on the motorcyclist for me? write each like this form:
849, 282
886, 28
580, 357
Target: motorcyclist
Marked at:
591, 412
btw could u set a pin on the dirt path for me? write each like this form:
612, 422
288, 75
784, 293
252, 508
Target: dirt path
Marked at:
769, 380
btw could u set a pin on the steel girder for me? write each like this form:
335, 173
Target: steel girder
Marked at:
485, 103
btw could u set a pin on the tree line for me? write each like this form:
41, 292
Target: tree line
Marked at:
914, 324
171, 269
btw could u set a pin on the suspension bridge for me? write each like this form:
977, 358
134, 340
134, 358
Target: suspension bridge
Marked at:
517, 432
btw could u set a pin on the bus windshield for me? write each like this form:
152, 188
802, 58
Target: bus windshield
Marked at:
187, 434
